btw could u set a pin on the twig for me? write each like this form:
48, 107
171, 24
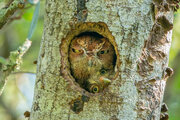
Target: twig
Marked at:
17, 17
14, 62
5, 13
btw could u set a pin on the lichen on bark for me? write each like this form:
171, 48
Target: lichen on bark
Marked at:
131, 95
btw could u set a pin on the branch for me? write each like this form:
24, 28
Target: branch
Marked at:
14, 62
5, 13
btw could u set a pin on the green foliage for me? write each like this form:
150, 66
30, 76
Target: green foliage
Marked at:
173, 84
3, 61
175, 48
176, 87
13, 56
28, 14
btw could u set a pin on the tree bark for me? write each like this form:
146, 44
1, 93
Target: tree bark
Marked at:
142, 37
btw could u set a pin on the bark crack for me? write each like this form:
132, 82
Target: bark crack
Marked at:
81, 11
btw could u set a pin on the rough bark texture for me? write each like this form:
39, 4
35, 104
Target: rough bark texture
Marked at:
143, 46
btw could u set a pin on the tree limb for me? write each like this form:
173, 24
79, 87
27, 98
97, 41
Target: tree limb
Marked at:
15, 59
5, 13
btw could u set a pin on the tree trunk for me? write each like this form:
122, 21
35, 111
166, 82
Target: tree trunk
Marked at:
140, 32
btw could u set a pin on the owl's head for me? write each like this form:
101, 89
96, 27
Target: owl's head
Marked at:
96, 84
91, 58
93, 49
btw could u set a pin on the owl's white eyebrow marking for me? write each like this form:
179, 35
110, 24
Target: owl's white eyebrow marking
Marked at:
101, 45
83, 50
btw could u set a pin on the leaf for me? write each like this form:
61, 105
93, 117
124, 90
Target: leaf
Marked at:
13, 56
3, 60
28, 14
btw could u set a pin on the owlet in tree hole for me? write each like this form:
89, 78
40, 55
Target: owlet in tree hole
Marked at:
91, 57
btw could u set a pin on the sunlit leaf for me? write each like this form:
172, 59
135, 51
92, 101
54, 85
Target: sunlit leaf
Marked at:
28, 14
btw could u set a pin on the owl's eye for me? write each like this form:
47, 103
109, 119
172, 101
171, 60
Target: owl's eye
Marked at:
94, 89
102, 71
104, 51
76, 50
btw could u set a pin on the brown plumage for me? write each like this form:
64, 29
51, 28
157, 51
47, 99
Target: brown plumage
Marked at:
90, 56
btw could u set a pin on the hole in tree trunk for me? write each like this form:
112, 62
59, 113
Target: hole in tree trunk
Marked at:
92, 57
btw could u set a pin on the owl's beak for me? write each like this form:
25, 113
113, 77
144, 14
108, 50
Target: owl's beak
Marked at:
90, 56
104, 80
90, 63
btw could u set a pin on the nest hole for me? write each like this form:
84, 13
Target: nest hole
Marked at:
93, 59
94, 34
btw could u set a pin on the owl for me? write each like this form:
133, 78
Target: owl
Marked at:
90, 56
98, 82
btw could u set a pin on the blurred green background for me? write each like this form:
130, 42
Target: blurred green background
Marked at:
17, 96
